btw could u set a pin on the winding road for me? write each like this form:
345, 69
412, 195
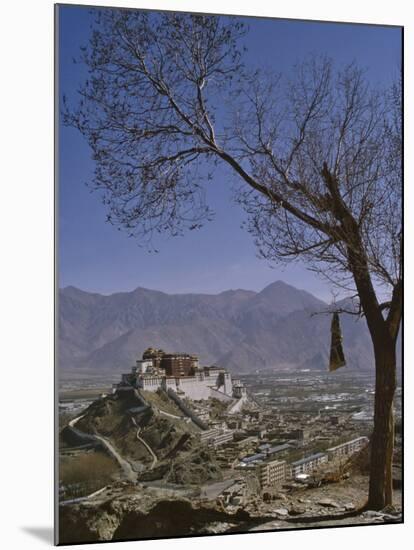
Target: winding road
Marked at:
81, 499
171, 415
126, 467
154, 456
124, 464
74, 420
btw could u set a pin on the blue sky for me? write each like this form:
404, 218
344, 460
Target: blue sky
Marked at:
94, 256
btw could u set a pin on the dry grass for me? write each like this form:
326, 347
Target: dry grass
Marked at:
84, 473
161, 401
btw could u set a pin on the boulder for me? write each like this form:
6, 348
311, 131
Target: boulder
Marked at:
296, 510
328, 503
281, 511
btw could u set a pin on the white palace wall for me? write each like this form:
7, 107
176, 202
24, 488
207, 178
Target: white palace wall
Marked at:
195, 387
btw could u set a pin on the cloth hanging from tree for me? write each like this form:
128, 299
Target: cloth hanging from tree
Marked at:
337, 357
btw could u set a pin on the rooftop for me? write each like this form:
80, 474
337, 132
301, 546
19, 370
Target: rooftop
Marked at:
308, 459
252, 458
362, 438
279, 448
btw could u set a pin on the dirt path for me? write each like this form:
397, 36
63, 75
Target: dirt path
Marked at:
82, 499
74, 420
165, 413
124, 464
154, 456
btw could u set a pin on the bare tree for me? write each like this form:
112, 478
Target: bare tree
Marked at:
318, 159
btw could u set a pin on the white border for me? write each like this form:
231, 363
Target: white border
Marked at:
27, 267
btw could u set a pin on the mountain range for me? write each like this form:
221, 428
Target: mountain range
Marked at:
242, 330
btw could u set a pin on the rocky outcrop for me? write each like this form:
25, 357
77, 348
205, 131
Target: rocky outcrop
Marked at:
140, 518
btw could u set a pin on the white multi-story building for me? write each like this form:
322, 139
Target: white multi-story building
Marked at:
204, 383
271, 473
308, 463
142, 366
216, 436
347, 448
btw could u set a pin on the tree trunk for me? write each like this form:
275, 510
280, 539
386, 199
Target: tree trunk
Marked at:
382, 443
388, 464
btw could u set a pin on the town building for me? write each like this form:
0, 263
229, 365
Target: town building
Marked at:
252, 459
236, 494
309, 463
216, 437
271, 473
209, 434
347, 448
299, 434
239, 389
276, 449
